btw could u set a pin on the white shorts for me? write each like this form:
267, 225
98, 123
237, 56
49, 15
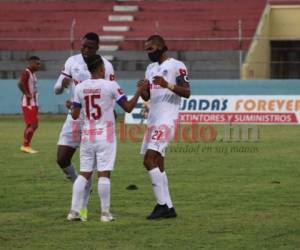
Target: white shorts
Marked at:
100, 154
70, 134
157, 138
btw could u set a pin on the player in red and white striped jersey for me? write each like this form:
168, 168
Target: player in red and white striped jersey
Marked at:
28, 85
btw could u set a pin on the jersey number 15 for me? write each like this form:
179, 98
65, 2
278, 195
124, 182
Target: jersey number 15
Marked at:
90, 102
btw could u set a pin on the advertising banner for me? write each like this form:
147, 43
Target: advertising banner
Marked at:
237, 109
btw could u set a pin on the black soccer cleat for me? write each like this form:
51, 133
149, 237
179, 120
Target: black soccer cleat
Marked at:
171, 213
159, 211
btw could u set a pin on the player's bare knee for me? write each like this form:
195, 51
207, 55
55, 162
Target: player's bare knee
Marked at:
145, 163
62, 161
104, 174
64, 156
149, 163
86, 175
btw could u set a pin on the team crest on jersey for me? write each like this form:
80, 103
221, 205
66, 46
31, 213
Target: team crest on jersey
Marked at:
76, 70
165, 72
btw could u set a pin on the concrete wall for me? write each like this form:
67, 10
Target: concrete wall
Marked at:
278, 22
10, 96
128, 64
285, 22
257, 61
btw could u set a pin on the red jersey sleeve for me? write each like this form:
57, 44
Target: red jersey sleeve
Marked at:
24, 80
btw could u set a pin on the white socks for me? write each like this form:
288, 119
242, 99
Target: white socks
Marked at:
70, 173
87, 192
166, 190
78, 191
157, 181
82, 187
160, 187
104, 193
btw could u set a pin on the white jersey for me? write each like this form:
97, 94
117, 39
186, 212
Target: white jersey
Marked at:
165, 104
97, 97
76, 68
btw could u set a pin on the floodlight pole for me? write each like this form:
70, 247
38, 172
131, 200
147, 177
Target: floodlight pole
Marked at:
72, 36
240, 38
157, 31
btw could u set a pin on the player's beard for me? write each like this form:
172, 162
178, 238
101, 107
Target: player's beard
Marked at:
155, 55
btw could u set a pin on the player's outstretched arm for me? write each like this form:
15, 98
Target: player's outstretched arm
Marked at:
182, 88
128, 105
76, 104
61, 83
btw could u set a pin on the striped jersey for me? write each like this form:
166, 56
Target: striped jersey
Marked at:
29, 82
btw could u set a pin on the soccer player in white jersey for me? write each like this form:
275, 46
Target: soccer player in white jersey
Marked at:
97, 97
168, 82
75, 71
28, 86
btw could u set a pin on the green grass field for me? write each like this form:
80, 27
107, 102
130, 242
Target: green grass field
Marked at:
225, 199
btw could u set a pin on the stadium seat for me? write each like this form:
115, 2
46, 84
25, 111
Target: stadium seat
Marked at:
188, 26
49, 23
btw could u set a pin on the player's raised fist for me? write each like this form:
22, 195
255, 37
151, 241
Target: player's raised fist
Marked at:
159, 80
142, 85
68, 104
66, 82
142, 82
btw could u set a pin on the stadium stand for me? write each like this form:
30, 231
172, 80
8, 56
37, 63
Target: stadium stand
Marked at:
274, 52
215, 31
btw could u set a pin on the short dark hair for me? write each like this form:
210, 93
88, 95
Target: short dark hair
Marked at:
93, 62
157, 39
33, 58
92, 36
